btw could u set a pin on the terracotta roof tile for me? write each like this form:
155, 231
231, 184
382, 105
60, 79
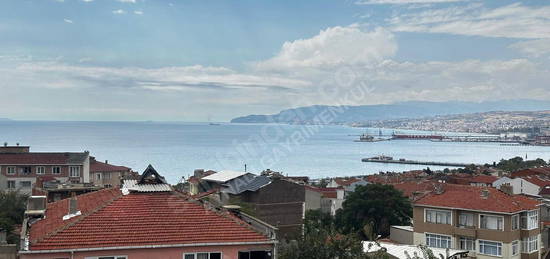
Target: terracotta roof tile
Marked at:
139, 219
470, 198
35, 158
96, 166
487, 179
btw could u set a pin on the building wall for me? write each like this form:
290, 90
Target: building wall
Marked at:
228, 252
281, 204
401, 236
313, 200
520, 186
108, 179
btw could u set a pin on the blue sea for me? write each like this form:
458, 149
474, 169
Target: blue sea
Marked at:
176, 149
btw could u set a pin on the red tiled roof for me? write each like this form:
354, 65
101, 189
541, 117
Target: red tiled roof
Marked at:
540, 180
410, 188
328, 192
470, 198
531, 171
96, 166
137, 219
488, 179
346, 182
42, 158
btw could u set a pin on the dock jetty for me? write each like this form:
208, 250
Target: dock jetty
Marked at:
390, 160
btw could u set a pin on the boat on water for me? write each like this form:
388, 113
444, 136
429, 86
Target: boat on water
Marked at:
368, 138
214, 124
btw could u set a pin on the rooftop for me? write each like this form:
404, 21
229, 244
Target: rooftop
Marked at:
96, 166
472, 198
223, 176
36, 158
487, 179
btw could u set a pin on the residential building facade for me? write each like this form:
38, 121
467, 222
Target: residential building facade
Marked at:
482, 220
22, 167
107, 175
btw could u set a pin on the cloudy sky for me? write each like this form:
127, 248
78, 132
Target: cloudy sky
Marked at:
199, 60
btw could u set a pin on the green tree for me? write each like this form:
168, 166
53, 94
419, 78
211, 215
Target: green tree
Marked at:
376, 204
12, 210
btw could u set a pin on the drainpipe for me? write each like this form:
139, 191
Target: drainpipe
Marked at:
72, 254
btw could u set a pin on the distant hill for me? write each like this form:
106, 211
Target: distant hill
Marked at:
415, 109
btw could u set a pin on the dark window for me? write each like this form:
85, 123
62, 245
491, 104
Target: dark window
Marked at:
56, 170
11, 184
215, 256
26, 170
255, 255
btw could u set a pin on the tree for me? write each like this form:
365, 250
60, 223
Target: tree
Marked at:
376, 204
322, 240
12, 209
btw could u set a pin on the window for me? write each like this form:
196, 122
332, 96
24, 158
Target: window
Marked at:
530, 244
466, 220
25, 184
11, 169
491, 222
40, 170
26, 170
515, 222
74, 171
254, 255
438, 216
11, 184
107, 175
438, 241
215, 255
98, 176
56, 170
490, 248
532, 219
467, 243
515, 247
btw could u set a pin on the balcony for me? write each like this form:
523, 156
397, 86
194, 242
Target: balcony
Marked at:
465, 231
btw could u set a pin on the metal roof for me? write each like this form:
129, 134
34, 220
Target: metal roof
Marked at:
133, 186
252, 185
223, 176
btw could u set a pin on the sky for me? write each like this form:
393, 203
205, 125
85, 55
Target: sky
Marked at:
203, 60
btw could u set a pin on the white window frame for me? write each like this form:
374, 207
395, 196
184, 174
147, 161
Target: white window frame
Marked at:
515, 247
12, 187
77, 168
489, 215
13, 170
195, 254
40, 170
532, 224
479, 247
515, 218
438, 236
435, 220
466, 214
102, 256
53, 169
530, 244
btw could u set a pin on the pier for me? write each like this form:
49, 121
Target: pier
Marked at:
389, 160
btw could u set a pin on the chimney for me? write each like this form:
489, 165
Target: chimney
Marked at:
36, 207
439, 189
198, 173
106, 161
73, 204
485, 193
507, 188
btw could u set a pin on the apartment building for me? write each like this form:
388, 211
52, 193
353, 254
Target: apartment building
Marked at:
107, 175
482, 220
22, 167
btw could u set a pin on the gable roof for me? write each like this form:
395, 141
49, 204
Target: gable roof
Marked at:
151, 176
36, 158
470, 198
487, 179
223, 176
110, 219
540, 180
96, 166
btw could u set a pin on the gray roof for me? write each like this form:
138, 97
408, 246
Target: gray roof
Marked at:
253, 184
223, 176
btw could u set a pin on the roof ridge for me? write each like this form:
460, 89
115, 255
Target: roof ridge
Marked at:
82, 217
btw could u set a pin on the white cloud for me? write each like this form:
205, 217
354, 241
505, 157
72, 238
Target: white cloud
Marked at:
127, 1
510, 21
119, 11
533, 48
67, 20
333, 47
369, 2
138, 12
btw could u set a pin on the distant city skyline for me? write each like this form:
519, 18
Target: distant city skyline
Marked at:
213, 60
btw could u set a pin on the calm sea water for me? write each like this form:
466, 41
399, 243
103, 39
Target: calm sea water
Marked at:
176, 149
